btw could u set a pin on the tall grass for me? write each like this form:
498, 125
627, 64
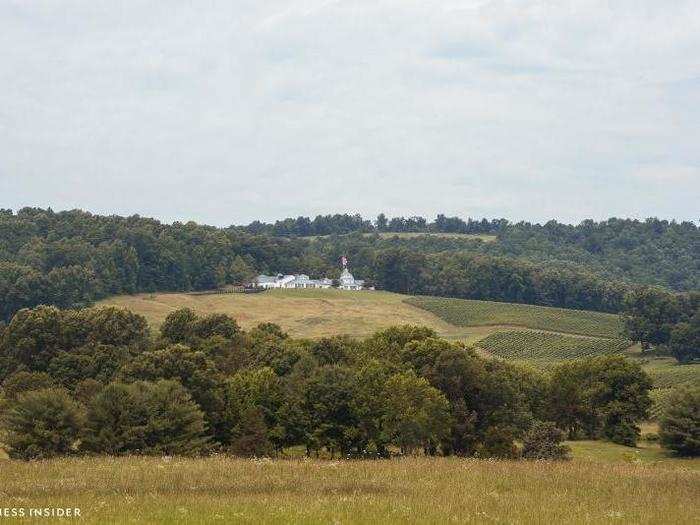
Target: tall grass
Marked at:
412, 490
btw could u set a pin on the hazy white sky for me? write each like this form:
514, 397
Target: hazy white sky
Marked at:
229, 111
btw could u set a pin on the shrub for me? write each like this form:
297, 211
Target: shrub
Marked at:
680, 424
116, 421
179, 325
498, 443
252, 435
619, 426
544, 441
193, 369
175, 422
86, 390
43, 424
21, 382
650, 437
417, 414
148, 418
216, 324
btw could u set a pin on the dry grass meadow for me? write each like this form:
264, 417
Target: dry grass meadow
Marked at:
411, 490
319, 313
303, 313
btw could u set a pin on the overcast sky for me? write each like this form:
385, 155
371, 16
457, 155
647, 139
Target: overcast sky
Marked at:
228, 111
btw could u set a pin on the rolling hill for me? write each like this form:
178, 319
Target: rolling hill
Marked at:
319, 313
540, 336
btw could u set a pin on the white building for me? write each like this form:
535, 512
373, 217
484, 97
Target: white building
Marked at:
291, 281
348, 282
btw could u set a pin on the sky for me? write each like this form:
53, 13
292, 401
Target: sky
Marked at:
224, 112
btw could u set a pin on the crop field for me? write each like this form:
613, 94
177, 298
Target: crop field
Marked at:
464, 312
647, 489
667, 373
660, 401
547, 346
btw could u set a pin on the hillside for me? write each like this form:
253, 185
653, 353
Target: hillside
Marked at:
318, 313
302, 313
462, 312
73, 258
540, 336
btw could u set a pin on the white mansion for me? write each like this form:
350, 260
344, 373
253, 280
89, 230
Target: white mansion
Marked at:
291, 281
345, 282
348, 282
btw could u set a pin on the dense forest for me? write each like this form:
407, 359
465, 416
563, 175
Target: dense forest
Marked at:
656, 252
71, 258
96, 381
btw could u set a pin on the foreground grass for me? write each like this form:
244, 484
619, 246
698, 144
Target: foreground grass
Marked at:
416, 490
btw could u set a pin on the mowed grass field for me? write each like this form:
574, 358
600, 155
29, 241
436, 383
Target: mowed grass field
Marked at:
413, 235
410, 490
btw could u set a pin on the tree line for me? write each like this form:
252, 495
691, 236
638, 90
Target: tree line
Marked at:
654, 252
664, 321
340, 224
70, 259
96, 381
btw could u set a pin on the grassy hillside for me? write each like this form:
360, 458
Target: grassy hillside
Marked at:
317, 313
444, 235
463, 312
416, 490
303, 313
